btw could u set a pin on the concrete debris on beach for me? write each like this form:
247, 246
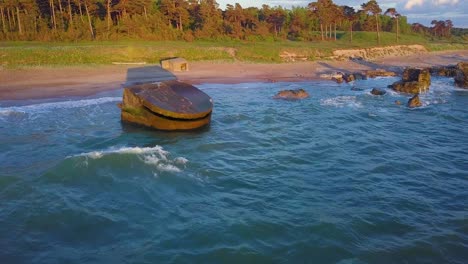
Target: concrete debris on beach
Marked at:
168, 105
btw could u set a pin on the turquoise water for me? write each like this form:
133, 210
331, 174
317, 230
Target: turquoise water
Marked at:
341, 177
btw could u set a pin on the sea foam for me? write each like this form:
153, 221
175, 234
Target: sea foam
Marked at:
341, 101
47, 107
154, 156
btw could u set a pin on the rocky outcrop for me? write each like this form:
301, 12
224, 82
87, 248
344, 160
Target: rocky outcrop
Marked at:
461, 78
292, 94
380, 73
445, 71
169, 105
376, 91
350, 77
378, 52
414, 81
414, 101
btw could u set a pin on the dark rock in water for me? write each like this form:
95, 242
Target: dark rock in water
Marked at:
414, 81
169, 105
376, 91
414, 101
350, 77
447, 71
291, 94
380, 73
357, 89
461, 78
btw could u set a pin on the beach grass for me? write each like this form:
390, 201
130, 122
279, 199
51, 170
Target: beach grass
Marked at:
49, 54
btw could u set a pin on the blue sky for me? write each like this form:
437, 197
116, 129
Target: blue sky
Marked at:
422, 11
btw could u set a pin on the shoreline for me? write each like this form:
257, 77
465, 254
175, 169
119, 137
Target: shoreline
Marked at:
48, 82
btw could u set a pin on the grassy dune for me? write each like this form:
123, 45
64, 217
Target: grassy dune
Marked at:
34, 54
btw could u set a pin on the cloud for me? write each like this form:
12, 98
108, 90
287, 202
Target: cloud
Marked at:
445, 2
412, 3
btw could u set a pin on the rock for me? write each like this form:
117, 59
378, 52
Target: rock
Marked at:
337, 80
398, 102
447, 71
380, 73
461, 78
291, 94
414, 81
169, 105
349, 78
414, 101
378, 92
357, 89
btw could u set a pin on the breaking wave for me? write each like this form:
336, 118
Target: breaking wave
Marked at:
341, 101
154, 156
47, 107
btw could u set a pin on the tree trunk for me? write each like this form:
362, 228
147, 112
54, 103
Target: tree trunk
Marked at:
397, 30
321, 30
180, 23
61, 14
3, 21
351, 30
9, 19
378, 32
89, 20
108, 15
12, 14
335, 31
81, 11
52, 9
19, 21
70, 23
146, 14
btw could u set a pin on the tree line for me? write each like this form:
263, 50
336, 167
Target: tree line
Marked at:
70, 20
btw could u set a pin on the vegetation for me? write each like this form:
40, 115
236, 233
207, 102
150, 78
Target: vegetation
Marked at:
84, 32
189, 20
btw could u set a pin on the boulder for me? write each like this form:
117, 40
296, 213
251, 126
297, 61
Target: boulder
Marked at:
380, 73
338, 80
350, 77
414, 81
169, 105
414, 101
291, 94
376, 91
461, 77
446, 71
398, 102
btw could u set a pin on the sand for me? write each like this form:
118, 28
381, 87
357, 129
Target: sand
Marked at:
37, 83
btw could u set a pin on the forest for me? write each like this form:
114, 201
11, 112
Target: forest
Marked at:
189, 20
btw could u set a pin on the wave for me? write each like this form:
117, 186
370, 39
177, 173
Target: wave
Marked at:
154, 156
47, 107
341, 101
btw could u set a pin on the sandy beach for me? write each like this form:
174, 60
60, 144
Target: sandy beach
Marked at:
37, 83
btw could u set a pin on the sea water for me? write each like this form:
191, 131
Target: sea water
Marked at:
341, 177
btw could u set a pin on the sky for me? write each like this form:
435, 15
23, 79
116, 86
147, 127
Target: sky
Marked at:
421, 11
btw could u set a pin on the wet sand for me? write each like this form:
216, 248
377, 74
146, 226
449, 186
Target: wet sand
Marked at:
37, 83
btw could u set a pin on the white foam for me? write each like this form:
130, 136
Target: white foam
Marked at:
47, 107
341, 101
181, 160
154, 156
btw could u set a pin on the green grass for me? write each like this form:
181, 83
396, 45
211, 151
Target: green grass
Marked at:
59, 54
